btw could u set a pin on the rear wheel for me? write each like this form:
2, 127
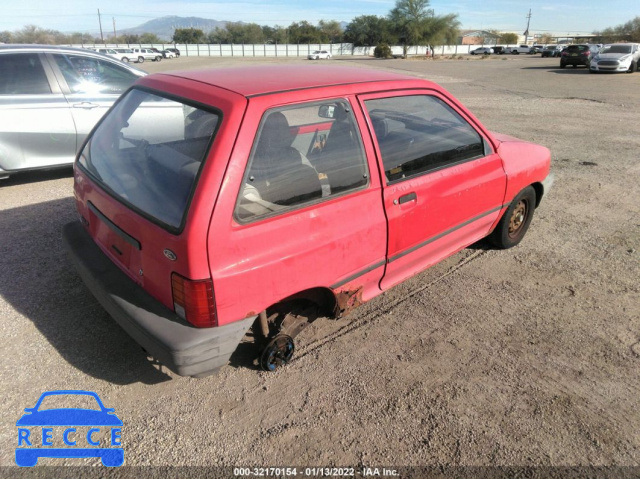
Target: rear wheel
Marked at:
514, 223
158, 59
562, 65
278, 352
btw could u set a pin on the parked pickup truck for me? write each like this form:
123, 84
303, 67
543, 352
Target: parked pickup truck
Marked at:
519, 49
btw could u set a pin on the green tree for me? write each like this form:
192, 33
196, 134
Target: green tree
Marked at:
509, 38
629, 32
130, 38
81, 38
6, 37
219, 35
416, 24
238, 33
443, 30
304, 32
331, 29
369, 30
275, 34
188, 35
546, 38
251, 33
150, 38
35, 34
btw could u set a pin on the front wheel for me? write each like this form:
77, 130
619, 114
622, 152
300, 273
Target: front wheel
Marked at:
140, 59
125, 60
633, 67
514, 223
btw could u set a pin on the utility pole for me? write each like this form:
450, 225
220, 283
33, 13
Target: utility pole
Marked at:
526, 32
100, 22
115, 35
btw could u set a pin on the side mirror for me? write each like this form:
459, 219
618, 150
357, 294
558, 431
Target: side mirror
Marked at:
327, 111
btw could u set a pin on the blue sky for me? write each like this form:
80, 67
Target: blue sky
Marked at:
561, 16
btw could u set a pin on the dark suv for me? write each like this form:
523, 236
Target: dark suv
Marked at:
578, 55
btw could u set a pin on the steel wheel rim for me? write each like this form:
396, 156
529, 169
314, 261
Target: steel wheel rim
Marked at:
278, 352
518, 218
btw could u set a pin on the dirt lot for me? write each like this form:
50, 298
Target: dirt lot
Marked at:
525, 357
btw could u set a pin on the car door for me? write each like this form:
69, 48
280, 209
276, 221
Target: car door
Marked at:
36, 126
91, 85
443, 185
306, 212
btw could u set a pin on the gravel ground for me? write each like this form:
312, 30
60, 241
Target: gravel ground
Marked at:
525, 357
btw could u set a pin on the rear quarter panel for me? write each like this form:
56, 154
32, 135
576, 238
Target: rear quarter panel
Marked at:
189, 245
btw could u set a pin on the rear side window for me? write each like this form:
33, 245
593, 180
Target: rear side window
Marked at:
302, 154
90, 75
420, 133
148, 152
22, 74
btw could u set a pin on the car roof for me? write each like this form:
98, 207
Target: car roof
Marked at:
57, 48
40, 48
264, 80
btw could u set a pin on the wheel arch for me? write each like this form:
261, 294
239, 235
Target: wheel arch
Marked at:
323, 298
539, 189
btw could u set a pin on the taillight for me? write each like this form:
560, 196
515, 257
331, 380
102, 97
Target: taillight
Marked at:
564, 54
193, 301
586, 53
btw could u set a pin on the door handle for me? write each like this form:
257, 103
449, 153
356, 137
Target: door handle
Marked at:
87, 105
408, 197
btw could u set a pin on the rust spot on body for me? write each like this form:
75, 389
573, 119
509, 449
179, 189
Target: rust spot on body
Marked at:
346, 301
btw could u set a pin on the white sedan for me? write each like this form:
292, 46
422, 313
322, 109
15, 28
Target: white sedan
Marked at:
319, 55
617, 57
482, 51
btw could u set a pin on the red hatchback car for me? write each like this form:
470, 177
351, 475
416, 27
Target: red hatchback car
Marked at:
213, 201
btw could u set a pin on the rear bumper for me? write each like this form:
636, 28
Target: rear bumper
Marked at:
576, 61
186, 350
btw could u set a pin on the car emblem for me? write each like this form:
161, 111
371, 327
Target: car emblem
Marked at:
170, 254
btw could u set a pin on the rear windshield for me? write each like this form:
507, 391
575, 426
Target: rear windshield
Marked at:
577, 48
148, 152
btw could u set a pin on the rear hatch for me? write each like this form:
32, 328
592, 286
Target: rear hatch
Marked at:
135, 180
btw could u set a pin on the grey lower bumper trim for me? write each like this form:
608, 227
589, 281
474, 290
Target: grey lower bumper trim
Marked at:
547, 183
184, 349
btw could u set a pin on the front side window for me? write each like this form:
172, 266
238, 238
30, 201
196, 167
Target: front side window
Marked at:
420, 133
148, 152
86, 74
22, 74
302, 154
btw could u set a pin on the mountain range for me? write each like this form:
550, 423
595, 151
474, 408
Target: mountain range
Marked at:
165, 26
